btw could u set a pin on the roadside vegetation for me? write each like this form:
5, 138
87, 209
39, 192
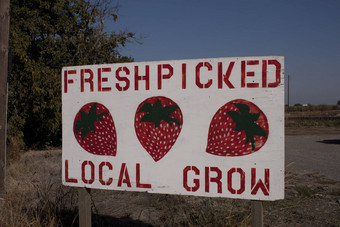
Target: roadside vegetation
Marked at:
44, 37
311, 108
35, 197
312, 116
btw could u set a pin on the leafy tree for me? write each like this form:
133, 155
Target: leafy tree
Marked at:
44, 37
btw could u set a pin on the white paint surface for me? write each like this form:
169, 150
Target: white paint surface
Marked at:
198, 107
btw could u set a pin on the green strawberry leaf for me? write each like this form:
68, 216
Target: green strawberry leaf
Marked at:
87, 120
246, 121
169, 110
243, 108
254, 116
156, 113
145, 108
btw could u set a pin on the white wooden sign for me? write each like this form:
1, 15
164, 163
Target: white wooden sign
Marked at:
203, 127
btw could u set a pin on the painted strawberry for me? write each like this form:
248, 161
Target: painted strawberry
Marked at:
158, 123
238, 128
94, 129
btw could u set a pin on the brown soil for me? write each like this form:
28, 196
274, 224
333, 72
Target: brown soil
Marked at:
36, 198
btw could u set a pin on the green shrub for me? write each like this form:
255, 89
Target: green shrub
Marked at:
44, 37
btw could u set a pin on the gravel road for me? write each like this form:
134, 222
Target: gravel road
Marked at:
314, 153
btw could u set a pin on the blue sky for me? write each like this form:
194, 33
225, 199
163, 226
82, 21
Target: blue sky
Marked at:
306, 32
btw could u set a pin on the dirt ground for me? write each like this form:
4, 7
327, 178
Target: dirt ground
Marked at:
34, 183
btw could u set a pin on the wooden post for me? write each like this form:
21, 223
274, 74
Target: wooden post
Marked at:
4, 37
256, 213
84, 203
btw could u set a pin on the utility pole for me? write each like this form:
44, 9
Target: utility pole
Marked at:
4, 38
288, 90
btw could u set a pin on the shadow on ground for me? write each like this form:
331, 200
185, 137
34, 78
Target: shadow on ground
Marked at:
68, 219
330, 141
105, 220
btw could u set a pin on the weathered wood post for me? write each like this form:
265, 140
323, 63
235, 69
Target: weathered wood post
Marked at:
256, 213
84, 203
4, 37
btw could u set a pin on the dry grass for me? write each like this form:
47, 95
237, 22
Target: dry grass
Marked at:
316, 118
37, 198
